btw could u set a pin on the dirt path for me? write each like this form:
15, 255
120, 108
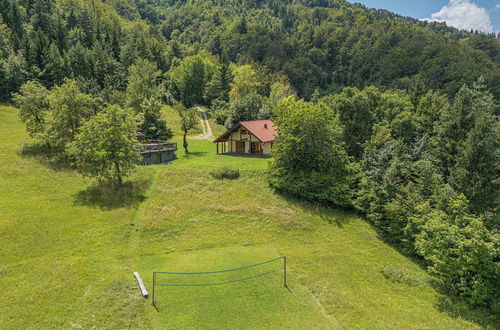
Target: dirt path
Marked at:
205, 125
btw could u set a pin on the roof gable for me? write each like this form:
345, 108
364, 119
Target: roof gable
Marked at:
264, 130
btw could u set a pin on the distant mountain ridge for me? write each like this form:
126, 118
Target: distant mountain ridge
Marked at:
321, 46
341, 43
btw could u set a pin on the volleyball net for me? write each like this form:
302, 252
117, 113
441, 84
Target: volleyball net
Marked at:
218, 277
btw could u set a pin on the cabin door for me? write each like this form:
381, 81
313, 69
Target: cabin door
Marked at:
254, 147
158, 158
240, 147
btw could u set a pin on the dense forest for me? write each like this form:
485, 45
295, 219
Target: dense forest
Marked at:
320, 46
388, 115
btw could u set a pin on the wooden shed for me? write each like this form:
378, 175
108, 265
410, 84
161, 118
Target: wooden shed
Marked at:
158, 152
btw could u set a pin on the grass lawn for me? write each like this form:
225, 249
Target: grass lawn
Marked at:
67, 253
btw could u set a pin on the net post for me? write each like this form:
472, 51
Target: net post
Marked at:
153, 293
284, 272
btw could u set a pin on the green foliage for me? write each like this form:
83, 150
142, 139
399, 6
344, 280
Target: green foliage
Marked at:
55, 117
189, 120
319, 45
154, 126
477, 164
142, 83
429, 108
357, 114
219, 86
245, 82
464, 256
421, 209
33, 104
278, 91
225, 173
309, 158
467, 144
55, 70
69, 110
407, 126
15, 73
400, 276
244, 108
106, 148
190, 79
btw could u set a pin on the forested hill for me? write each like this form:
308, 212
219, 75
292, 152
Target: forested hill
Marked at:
331, 44
321, 46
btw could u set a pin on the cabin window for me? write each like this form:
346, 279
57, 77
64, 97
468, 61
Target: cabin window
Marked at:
244, 131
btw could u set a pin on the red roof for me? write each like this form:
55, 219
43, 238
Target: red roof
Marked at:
264, 130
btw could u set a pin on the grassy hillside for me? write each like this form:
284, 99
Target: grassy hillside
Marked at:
65, 258
67, 252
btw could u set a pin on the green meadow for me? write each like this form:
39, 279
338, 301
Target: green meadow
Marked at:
68, 250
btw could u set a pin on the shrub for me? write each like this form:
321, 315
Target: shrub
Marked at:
397, 275
226, 173
464, 255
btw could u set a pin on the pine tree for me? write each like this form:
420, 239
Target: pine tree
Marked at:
153, 125
54, 72
477, 168
41, 12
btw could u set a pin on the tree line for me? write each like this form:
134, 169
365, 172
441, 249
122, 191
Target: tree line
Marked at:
320, 46
424, 170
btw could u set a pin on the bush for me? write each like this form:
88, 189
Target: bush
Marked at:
397, 275
225, 173
464, 255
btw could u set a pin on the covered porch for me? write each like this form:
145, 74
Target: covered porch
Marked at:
239, 147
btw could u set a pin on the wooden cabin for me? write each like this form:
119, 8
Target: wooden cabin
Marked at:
248, 138
158, 152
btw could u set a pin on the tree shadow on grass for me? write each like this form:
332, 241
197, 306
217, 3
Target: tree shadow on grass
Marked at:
328, 213
194, 154
106, 197
448, 303
48, 156
459, 309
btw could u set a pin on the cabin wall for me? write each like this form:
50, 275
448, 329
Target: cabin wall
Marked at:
239, 136
151, 158
243, 135
266, 148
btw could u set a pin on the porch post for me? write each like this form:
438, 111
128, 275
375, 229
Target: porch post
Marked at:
217, 147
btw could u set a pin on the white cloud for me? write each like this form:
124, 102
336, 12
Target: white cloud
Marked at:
464, 14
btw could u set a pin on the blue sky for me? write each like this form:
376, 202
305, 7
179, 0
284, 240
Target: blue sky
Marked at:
483, 15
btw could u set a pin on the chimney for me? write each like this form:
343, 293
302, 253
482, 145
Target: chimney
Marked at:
265, 126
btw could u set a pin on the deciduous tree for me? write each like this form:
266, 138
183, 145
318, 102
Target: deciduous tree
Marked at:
33, 104
106, 147
309, 158
142, 83
69, 110
189, 121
